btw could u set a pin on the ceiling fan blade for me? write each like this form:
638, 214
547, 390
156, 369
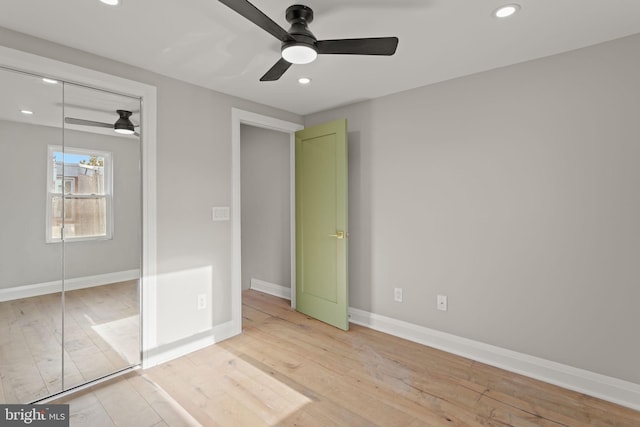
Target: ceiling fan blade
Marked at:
368, 46
255, 15
276, 71
82, 122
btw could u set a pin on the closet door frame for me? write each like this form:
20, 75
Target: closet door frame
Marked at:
34, 64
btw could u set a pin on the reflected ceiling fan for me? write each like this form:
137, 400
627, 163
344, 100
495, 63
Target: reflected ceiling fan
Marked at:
299, 45
122, 126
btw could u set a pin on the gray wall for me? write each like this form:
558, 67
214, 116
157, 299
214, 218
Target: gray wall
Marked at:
193, 174
25, 258
23, 177
266, 216
515, 192
123, 251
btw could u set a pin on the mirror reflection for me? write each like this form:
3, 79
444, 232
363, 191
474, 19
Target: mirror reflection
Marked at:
99, 182
30, 269
70, 220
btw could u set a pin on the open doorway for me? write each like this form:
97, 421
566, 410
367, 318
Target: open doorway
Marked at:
242, 118
266, 210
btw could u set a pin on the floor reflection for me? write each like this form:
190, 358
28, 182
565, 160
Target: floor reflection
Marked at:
101, 336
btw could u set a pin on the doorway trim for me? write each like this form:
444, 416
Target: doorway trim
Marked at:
238, 118
34, 64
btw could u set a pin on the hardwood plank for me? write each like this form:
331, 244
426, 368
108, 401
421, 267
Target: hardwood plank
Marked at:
289, 370
538, 401
160, 401
385, 371
86, 410
3, 397
125, 405
371, 385
101, 335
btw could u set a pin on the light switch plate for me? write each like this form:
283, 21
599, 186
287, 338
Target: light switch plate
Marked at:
220, 213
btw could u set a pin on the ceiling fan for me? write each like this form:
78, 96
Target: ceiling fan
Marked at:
122, 126
299, 45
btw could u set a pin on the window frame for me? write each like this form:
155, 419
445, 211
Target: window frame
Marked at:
51, 187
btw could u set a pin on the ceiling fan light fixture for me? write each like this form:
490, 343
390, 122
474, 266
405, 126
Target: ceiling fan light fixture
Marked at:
123, 125
299, 45
111, 2
299, 54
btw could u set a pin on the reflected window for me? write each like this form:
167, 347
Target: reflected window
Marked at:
79, 184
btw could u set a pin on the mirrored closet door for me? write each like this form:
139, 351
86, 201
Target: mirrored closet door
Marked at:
70, 246
31, 269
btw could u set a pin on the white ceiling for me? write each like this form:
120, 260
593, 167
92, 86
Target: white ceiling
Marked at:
48, 104
206, 43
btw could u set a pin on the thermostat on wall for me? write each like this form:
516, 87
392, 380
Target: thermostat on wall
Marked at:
220, 213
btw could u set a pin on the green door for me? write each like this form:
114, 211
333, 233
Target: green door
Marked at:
321, 223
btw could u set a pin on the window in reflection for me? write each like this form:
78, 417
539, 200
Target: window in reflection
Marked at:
79, 185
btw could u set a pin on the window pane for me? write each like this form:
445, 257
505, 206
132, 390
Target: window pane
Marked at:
79, 175
56, 217
83, 173
86, 217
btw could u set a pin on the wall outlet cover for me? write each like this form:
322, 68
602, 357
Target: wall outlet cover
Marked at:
442, 302
202, 301
397, 294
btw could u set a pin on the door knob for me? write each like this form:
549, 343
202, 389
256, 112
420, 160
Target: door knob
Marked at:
338, 235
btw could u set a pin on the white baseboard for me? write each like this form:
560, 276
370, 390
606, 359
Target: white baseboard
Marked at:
601, 386
271, 288
38, 289
168, 352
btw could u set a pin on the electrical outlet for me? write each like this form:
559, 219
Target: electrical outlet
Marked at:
442, 302
397, 294
202, 301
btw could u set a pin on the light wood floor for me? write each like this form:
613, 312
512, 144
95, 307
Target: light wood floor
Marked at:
289, 370
101, 335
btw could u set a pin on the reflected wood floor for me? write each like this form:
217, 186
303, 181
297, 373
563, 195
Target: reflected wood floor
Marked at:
289, 370
101, 336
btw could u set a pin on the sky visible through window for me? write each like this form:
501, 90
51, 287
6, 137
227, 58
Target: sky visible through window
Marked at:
71, 158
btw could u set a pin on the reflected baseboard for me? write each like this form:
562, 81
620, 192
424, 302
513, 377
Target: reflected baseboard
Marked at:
27, 291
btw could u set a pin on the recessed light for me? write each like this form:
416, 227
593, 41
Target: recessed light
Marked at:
111, 2
26, 112
304, 80
506, 10
50, 81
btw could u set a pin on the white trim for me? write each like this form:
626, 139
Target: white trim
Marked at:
27, 62
601, 386
271, 288
27, 291
167, 352
292, 215
239, 117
